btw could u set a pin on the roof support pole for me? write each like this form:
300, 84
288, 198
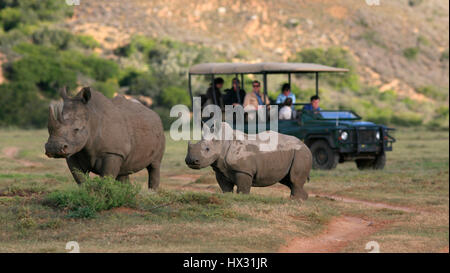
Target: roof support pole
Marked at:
242, 81
238, 90
317, 83
265, 87
213, 86
190, 92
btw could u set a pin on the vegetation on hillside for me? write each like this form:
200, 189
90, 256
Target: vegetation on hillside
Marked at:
42, 58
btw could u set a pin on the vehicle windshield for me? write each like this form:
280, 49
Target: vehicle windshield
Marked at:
338, 115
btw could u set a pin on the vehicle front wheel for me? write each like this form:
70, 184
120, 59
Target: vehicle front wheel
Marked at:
324, 158
375, 164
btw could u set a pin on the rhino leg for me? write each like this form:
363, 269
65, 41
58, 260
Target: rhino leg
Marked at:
111, 165
243, 182
77, 170
224, 183
298, 175
153, 176
123, 178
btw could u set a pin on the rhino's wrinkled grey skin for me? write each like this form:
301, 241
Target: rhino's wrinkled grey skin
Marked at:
107, 137
242, 163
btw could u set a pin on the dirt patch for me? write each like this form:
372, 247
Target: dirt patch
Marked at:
337, 12
12, 152
366, 203
444, 250
186, 177
338, 234
125, 210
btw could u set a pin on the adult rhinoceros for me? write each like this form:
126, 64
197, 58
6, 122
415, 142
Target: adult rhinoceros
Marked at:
107, 137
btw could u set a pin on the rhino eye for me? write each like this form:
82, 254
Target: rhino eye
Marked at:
207, 149
76, 130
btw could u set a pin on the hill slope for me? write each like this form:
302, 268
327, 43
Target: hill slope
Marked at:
399, 45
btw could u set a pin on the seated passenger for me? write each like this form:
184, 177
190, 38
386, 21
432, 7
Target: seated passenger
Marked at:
213, 95
255, 98
286, 112
314, 105
235, 95
285, 93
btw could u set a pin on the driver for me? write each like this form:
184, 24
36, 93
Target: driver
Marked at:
314, 105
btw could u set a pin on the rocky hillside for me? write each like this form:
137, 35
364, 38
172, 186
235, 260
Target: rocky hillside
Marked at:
399, 45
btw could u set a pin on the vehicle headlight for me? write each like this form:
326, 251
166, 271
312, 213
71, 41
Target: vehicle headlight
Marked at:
377, 135
344, 135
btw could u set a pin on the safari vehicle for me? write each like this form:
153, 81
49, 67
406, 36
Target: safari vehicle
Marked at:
333, 136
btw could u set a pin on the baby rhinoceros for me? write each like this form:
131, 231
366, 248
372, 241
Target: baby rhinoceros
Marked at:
243, 163
107, 137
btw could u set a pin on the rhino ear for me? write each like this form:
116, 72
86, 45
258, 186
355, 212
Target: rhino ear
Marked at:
86, 95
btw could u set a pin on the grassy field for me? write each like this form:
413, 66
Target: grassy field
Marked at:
189, 214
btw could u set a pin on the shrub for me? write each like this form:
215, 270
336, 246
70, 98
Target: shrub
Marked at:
432, 92
31, 12
388, 95
94, 195
87, 41
173, 95
407, 119
411, 53
20, 105
440, 119
10, 18
336, 57
164, 114
108, 88
444, 56
55, 37
50, 69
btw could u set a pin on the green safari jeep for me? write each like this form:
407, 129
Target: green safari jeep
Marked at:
337, 136
332, 136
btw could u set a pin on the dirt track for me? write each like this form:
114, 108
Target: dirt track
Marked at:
12, 152
338, 234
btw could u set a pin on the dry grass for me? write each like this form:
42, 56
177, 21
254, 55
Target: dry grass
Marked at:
416, 176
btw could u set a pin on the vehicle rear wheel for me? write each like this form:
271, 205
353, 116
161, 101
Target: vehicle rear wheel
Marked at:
375, 164
324, 158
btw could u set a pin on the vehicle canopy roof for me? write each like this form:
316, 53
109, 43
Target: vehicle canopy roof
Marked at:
260, 68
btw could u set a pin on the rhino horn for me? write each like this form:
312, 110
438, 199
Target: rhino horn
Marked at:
63, 93
51, 116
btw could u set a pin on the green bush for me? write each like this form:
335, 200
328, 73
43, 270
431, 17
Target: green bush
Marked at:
87, 41
50, 69
56, 37
411, 53
388, 95
164, 114
444, 56
336, 57
433, 92
21, 106
10, 18
94, 195
14, 14
108, 88
174, 95
407, 119
440, 119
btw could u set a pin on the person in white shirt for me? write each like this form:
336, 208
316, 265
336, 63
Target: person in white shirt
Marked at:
286, 111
